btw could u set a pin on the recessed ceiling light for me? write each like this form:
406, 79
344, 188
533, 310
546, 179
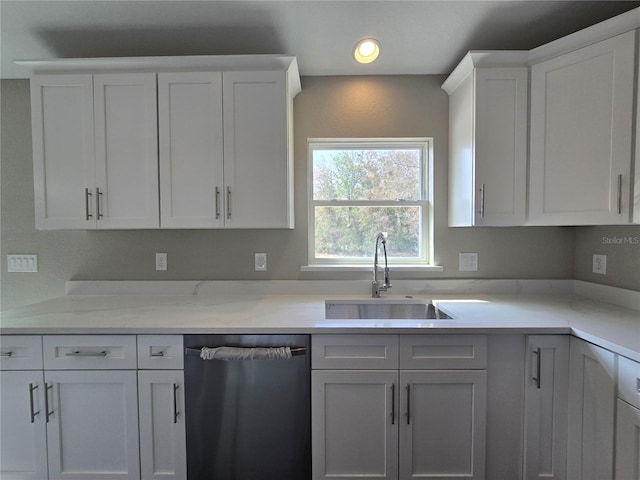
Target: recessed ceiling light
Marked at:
367, 50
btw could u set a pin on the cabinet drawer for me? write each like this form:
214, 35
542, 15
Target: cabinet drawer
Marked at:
354, 352
160, 352
89, 352
435, 352
629, 381
20, 352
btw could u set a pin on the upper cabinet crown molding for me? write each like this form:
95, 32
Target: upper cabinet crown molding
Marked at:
191, 63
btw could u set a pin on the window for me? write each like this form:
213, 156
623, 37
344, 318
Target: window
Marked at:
360, 187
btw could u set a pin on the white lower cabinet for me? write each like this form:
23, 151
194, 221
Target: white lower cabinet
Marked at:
591, 416
442, 424
628, 420
23, 440
162, 424
546, 405
355, 424
391, 422
92, 429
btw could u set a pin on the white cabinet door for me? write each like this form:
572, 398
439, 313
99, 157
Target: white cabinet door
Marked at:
162, 424
591, 416
442, 424
92, 432
63, 151
191, 150
126, 140
354, 424
488, 144
581, 135
546, 404
627, 442
258, 167
23, 439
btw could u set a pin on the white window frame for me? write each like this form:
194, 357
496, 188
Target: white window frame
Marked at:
425, 258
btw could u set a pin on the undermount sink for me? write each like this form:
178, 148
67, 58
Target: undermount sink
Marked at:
382, 309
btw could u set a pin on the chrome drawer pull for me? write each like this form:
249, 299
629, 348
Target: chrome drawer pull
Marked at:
408, 414
175, 403
158, 354
6, 355
48, 413
536, 379
79, 353
33, 414
393, 404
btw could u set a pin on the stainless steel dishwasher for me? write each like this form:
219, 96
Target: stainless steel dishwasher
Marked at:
248, 419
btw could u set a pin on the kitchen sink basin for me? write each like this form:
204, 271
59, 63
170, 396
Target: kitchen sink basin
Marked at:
381, 309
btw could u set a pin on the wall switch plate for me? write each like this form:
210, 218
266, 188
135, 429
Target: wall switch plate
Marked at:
600, 264
261, 262
468, 262
161, 261
22, 263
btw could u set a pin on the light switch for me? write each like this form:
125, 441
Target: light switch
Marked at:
22, 263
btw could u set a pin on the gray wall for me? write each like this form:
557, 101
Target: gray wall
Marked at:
384, 106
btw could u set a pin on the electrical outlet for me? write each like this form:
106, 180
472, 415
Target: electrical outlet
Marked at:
22, 263
161, 261
468, 262
600, 264
261, 262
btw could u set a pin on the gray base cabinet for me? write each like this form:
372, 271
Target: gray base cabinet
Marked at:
411, 414
627, 465
591, 412
546, 405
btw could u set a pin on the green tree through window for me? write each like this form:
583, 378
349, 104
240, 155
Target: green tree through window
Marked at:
360, 188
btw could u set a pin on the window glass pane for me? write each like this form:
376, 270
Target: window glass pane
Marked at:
367, 174
351, 231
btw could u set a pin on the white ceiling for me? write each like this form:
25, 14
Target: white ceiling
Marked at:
417, 37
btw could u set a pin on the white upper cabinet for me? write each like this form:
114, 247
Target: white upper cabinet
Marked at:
488, 141
126, 141
63, 150
164, 142
225, 150
95, 151
581, 135
258, 168
191, 152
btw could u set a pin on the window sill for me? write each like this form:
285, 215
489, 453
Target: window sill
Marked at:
368, 268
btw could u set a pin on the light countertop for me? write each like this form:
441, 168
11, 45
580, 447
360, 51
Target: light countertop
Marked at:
487, 307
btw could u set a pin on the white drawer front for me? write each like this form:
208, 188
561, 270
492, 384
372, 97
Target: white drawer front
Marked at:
629, 381
160, 352
89, 352
354, 352
435, 352
20, 352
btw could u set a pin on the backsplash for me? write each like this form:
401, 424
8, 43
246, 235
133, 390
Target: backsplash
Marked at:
385, 106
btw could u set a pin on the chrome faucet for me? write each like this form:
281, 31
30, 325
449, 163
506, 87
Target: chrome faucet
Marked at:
376, 288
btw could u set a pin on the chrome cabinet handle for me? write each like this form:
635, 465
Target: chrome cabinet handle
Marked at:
228, 202
408, 414
619, 194
217, 202
158, 354
87, 213
8, 354
638, 384
31, 408
98, 203
175, 403
48, 413
482, 201
536, 378
79, 353
393, 404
